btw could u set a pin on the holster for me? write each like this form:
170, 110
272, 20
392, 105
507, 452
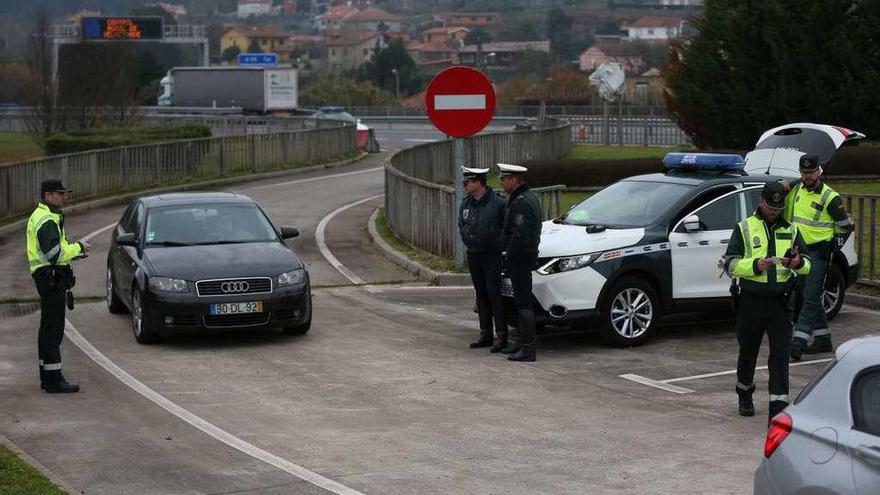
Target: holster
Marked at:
735, 291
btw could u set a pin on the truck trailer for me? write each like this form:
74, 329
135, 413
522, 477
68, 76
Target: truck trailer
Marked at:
253, 89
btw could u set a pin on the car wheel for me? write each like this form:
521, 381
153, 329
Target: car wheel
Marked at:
302, 328
835, 292
629, 313
114, 304
140, 326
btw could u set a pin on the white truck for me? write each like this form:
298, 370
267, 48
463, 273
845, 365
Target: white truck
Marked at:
254, 89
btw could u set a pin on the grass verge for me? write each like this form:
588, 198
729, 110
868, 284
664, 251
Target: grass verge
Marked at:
600, 152
18, 146
435, 263
19, 478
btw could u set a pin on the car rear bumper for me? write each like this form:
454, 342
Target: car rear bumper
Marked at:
286, 307
763, 484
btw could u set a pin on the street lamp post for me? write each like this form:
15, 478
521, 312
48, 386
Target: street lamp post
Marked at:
396, 83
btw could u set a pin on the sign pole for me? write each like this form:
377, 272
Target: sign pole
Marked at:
458, 150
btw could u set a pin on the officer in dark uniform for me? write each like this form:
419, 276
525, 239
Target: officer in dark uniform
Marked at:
480, 218
520, 238
49, 257
766, 253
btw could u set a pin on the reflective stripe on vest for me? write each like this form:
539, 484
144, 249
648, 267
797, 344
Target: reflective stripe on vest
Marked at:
816, 224
752, 228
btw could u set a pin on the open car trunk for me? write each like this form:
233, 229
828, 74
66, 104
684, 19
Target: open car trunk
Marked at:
779, 150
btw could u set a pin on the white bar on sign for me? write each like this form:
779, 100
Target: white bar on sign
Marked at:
459, 102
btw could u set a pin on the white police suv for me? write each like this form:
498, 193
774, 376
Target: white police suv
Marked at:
650, 244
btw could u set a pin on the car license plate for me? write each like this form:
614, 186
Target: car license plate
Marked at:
506, 287
236, 308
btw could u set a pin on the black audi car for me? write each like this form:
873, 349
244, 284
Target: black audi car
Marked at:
190, 261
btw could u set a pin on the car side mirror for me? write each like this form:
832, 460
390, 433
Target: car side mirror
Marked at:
692, 223
126, 239
289, 232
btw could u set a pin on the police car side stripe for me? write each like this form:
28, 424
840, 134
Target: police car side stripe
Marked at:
632, 251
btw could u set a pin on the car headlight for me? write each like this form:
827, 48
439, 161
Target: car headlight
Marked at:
167, 284
568, 263
292, 277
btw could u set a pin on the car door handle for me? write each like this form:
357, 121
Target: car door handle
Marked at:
869, 453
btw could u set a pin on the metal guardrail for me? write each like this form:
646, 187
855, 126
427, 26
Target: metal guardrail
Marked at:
105, 172
863, 208
419, 200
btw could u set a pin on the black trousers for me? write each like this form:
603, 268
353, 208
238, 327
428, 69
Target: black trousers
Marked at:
519, 269
756, 315
52, 305
485, 268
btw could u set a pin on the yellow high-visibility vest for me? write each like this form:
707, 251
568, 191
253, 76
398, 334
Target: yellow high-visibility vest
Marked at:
36, 257
755, 243
809, 210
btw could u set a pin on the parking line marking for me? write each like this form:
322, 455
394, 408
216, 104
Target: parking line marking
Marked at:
731, 372
212, 430
656, 384
325, 251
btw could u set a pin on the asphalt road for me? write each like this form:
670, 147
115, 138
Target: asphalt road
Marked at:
382, 396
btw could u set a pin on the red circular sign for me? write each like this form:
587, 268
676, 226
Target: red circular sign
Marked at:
460, 101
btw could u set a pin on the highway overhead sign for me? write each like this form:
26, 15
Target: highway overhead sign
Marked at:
258, 59
460, 101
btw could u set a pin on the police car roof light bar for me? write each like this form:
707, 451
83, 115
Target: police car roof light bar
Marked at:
718, 162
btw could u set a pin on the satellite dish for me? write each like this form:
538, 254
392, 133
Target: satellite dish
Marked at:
609, 78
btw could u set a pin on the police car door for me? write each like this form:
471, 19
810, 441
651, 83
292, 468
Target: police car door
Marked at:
698, 241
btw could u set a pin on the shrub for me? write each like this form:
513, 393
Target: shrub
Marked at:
92, 139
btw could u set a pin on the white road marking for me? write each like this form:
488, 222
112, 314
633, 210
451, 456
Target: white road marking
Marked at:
91, 235
203, 425
459, 102
656, 384
325, 251
732, 372
300, 181
419, 140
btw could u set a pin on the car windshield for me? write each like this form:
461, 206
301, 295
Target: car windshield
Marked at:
627, 204
186, 225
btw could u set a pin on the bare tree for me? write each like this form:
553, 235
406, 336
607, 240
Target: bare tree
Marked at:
44, 117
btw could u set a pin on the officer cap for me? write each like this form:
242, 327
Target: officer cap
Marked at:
808, 162
473, 173
53, 185
508, 169
774, 195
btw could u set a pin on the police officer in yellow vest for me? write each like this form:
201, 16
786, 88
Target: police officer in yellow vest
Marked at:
49, 256
818, 212
765, 252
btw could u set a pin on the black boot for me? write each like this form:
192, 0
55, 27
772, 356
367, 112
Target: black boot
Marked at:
523, 355
820, 345
500, 341
746, 405
776, 407
526, 331
510, 349
797, 349
61, 387
485, 312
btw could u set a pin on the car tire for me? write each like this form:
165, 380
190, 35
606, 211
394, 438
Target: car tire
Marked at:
835, 292
629, 313
302, 328
114, 304
140, 326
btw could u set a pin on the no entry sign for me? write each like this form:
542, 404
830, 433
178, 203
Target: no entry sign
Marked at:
460, 101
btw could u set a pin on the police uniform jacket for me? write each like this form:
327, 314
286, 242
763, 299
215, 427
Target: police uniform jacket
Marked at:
819, 214
48, 247
522, 222
480, 221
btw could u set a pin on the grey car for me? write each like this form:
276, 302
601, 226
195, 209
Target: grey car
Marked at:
828, 441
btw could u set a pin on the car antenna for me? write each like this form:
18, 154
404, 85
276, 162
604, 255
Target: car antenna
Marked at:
770, 165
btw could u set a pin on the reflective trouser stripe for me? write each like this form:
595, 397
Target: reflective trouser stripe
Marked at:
802, 335
821, 331
782, 398
52, 367
747, 388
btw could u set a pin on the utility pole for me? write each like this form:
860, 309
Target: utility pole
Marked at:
396, 83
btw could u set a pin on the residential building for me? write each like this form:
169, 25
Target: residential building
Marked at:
348, 17
349, 49
609, 50
500, 54
247, 8
175, 10
270, 39
289, 7
77, 17
645, 89
434, 56
466, 19
444, 34
654, 29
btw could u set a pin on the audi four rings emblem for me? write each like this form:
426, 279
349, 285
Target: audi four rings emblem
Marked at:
233, 287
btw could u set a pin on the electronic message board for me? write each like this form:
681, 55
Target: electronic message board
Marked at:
121, 28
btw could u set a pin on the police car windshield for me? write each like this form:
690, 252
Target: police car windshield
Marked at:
185, 225
627, 204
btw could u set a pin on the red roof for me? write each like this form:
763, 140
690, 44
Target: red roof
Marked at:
349, 37
435, 47
444, 30
655, 22
372, 14
337, 12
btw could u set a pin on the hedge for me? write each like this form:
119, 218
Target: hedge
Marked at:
76, 141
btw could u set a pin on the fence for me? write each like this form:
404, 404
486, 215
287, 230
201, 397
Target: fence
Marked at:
863, 208
419, 199
104, 172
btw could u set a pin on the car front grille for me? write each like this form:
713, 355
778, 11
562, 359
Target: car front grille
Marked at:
234, 286
239, 320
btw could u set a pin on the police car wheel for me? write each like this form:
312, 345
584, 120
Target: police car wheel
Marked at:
140, 325
628, 312
833, 297
114, 304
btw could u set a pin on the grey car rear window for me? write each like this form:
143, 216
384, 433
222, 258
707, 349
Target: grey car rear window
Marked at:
815, 381
866, 401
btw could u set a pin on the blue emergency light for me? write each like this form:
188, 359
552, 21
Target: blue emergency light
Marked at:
719, 162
